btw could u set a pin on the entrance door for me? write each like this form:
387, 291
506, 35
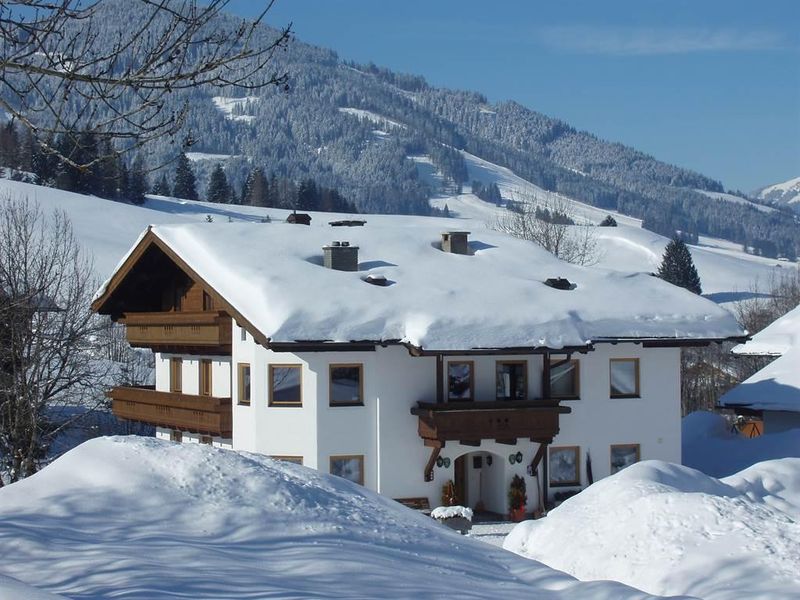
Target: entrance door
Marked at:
460, 469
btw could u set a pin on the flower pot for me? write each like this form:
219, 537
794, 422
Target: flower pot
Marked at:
517, 514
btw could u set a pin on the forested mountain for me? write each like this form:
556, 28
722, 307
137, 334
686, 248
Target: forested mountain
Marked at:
352, 128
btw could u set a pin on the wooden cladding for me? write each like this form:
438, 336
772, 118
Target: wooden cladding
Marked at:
205, 415
498, 420
175, 375
202, 332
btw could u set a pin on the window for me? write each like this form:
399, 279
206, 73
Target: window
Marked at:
349, 467
244, 383
512, 380
205, 439
297, 460
623, 455
175, 375
176, 436
624, 378
208, 301
243, 334
285, 385
205, 377
346, 385
565, 379
564, 466
460, 381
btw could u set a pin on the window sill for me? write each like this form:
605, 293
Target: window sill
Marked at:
623, 396
567, 398
243, 404
285, 405
565, 484
340, 404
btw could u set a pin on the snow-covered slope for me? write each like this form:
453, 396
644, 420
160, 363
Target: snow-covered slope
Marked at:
785, 193
143, 518
669, 529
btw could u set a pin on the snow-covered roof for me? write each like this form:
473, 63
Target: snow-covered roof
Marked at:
776, 338
775, 387
272, 274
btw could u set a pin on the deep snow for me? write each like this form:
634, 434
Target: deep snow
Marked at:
143, 518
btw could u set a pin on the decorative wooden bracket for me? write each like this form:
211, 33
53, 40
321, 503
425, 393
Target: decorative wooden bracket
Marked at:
537, 458
432, 462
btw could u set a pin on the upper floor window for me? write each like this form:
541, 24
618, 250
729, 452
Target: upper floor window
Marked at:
460, 381
244, 383
565, 379
205, 377
346, 385
624, 378
285, 385
175, 375
512, 380
208, 301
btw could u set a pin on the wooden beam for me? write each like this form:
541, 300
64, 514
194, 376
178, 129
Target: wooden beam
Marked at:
439, 379
431, 463
537, 458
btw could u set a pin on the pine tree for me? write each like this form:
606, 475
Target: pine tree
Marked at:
161, 188
137, 181
678, 268
185, 182
218, 188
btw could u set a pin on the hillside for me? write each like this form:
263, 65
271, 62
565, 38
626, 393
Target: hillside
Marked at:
786, 193
355, 128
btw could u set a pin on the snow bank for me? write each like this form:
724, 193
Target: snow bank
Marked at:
143, 518
710, 446
670, 529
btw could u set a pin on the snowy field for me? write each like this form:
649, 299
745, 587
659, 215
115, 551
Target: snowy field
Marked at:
143, 518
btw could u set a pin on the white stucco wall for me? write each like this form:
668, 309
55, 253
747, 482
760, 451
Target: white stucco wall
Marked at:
190, 373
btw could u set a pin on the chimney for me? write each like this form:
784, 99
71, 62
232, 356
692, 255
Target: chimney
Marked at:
341, 256
455, 242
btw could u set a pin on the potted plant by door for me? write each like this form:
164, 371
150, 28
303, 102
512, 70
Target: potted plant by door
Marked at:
517, 498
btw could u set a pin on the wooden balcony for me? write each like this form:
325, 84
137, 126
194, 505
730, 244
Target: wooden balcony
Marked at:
201, 332
504, 421
207, 415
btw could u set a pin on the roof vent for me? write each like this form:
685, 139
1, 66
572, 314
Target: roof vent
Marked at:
455, 242
559, 283
347, 223
341, 256
377, 279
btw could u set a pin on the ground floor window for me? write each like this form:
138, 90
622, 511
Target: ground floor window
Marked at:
623, 455
176, 436
564, 466
244, 383
206, 439
350, 467
297, 460
285, 385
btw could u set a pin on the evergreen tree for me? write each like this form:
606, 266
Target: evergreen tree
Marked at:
185, 182
678, 268
161, 188
218, 188
137, 181
609, 221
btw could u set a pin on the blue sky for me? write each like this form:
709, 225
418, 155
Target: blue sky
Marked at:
709, 85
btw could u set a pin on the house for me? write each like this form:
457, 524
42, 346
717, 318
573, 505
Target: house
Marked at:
400, 356
773, 393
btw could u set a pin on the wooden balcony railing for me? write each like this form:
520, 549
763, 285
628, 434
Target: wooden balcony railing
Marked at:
197, 414
206, 332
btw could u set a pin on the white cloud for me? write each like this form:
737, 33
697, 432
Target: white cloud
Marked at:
653, 41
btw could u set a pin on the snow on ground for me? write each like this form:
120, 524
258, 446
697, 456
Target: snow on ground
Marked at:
735, 199
228, 105
492, 532
384, 123
787, 192
669, 529
196, 156
144, 518
710, 445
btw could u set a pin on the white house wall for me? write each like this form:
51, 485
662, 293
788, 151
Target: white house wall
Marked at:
190, 374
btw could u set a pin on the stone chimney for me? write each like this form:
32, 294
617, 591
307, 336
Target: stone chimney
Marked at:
455, 242
341, 256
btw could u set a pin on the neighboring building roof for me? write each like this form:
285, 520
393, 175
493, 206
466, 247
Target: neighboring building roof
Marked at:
272, 275
775, 387
775, 339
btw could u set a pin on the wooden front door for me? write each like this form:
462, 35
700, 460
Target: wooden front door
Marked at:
460, 469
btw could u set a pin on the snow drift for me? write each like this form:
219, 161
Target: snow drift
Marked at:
142, 518
669, 529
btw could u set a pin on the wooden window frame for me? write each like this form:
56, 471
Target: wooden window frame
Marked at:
242, 334
208, 388
295, 460
471, 364
638, 391
206, 439
524, 371
577, 378
572, 483
240, 399
176, 368
271, 371
360, 367
359, 457
176, 435
611, 448
208, 301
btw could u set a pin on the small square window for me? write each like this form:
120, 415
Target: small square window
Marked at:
624, 455
285, 385
176, 436
512, 380
244, 383
206, 439
243, 334
565, 379
175, 375
624, 378
564, 466
205, 377
349, 467
346, 385
460, 381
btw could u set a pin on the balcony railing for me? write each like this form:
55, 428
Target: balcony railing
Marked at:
504, 421
207, 331
197, 414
